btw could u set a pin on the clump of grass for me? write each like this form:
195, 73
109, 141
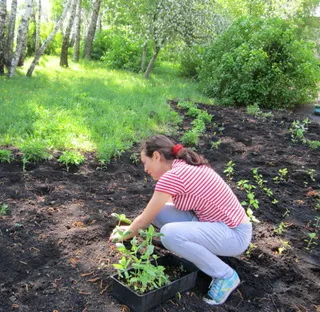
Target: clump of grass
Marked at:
4, 210
34, 151
71, 158
5, 156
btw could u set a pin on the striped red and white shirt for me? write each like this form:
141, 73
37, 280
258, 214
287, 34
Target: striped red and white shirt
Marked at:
201, 189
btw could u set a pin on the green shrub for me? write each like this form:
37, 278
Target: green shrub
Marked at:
5, 156
190, 61
118, 49
260, 61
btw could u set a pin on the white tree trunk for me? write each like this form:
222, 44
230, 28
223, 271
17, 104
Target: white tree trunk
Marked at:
150, 66
38, 24
21, 38
76, 53
3, 16
10, 34
92, 29
66, 36
48, 40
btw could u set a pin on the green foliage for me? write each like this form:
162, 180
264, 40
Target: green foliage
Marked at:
136, 266
118, 49
298, 128
71, 158
4, 210
5, 156
260, 61
190, 61
229, 171
33, 151
255, 111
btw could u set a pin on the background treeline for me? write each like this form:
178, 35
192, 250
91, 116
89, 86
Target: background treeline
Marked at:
243, 52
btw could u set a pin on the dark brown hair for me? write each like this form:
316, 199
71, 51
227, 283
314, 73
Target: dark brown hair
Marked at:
164, 146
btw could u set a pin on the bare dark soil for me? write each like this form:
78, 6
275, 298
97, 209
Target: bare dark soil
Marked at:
54, 248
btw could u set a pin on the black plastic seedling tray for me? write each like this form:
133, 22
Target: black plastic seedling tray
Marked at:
142, 303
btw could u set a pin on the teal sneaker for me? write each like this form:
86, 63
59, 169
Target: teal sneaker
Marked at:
220, 289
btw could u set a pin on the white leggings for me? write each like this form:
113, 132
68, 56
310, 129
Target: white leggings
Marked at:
202, 242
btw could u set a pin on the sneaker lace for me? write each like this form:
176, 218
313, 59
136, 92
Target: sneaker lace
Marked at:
214, 287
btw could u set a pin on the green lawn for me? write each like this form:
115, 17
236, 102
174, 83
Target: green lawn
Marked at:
87, 107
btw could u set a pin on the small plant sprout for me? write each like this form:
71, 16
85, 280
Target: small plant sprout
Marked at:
281, 228
317, 206
4, 210
281, 175
71, 158
311, 240
297, 130
284, 246
215, 145
229, 171
118, 230
5, 156
258, 177
251, 247
317, 222
134, 157
286, 213
311, 174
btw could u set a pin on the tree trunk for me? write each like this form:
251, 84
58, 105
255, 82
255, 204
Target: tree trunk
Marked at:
3, 15
76, 51
92, 29
150, 66
48, 40
143, 58
21, 38
23, 50
38, 23
66, 37
10, 34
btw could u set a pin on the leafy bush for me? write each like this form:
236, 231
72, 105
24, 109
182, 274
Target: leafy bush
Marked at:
260, 61
190, 61
118, 49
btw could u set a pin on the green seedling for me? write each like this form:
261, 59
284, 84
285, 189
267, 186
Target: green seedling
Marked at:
5, 156
281, 228
135, 158
317, 222
284, 246
251, 247
297, 130
4, 210
286, 213
255, 111
251, 216
229, 171
313, 144
71, 158
311, 174
258, 177
138, 267
310, 241
281, 175
215, 145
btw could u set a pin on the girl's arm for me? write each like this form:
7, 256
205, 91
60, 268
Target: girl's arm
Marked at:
157, 201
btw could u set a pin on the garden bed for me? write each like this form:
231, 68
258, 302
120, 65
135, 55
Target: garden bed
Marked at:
55, 254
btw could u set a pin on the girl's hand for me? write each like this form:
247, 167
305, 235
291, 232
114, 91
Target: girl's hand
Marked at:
118, 233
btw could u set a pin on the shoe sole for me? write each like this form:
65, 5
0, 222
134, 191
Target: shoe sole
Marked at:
212, 302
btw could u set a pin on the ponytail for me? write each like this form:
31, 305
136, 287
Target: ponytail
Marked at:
171, 151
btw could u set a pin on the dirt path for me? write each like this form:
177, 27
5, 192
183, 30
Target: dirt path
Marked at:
55, 255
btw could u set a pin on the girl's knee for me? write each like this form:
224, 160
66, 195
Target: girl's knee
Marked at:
170, 237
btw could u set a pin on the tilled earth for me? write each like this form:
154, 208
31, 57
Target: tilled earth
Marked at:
54, 248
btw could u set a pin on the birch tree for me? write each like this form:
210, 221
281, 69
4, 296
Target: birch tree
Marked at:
10, 33
76, 51
48, 40
3, 15
21, 38
92, 29
38, 24
66, 36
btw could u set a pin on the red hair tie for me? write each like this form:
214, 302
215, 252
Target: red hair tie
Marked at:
176, 149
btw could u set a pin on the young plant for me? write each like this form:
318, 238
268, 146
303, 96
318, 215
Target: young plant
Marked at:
297, 130
5, 156
310, 241
251, 247
281, 228
71, 158
311, 174
215, 145
252, 201
281, 175
258, 177
284, 246
229, 171
250, 215
4, 210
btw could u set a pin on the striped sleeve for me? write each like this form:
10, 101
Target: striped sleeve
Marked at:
170, 183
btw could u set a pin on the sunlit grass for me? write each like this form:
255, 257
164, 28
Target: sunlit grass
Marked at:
87, 107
